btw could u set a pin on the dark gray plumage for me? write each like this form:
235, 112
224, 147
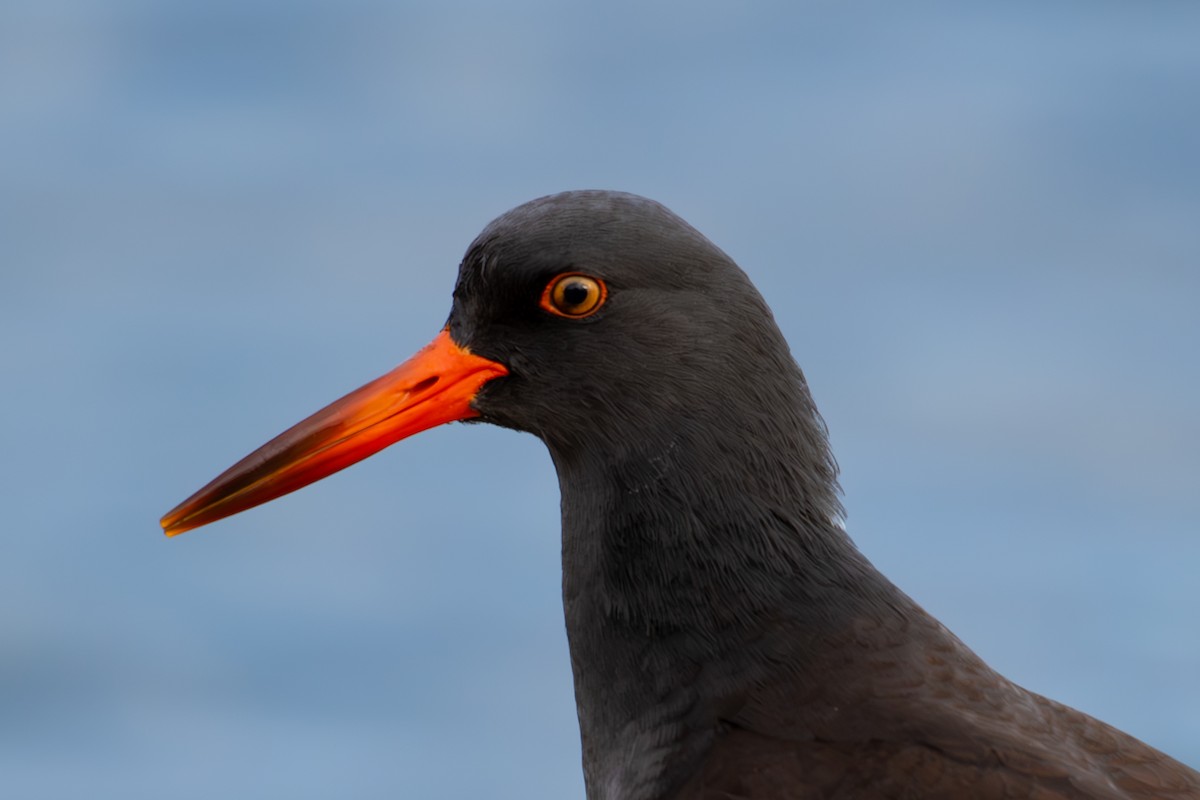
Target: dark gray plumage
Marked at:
727, 638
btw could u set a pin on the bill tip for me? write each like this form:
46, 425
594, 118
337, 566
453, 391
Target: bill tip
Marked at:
170, 528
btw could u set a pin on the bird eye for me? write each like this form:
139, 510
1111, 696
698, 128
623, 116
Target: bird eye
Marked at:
574, 295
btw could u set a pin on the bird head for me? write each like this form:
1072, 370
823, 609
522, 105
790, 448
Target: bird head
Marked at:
599, 321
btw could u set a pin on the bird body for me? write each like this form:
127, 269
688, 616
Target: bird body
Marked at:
727, 638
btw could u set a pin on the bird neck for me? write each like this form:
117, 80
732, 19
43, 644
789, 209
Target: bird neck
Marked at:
693, 566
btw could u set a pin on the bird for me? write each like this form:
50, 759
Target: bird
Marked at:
727, 638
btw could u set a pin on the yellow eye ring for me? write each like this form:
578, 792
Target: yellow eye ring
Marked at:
574, 295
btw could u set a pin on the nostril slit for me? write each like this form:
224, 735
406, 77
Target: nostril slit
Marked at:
423, 385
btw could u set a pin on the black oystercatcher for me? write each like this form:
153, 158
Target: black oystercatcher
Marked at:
727, 639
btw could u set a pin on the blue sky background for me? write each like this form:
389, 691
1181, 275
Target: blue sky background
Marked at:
977, 225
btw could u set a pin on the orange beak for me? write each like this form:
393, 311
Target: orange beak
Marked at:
436, 385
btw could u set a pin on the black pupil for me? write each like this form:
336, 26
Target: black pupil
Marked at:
575, 293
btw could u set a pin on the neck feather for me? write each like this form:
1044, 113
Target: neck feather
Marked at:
698, 558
